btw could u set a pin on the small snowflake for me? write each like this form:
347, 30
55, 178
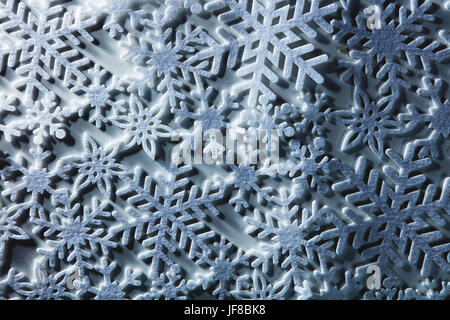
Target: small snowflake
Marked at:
99, 96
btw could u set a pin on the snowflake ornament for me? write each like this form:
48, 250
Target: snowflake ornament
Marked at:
313, 137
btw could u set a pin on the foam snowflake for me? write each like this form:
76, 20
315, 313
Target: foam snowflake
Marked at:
143, 125
96, 166
311, 162
265, 33
40, 40
381, 49
170, 286
77, 234
99, 96
370, 122
160, 59
32, 178
290, 235
245, 179
163, 213
224, 268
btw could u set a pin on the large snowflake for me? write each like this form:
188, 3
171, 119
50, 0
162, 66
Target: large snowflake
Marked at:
268, 34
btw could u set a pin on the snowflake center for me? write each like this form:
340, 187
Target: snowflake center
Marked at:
244, 177
371, 120
309, 112
98, 97
211, 119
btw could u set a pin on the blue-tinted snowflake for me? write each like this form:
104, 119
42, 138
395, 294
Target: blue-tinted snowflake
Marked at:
370, 123
170, 285
33, 178
45, 285
245, 179
40, 41
290, 234
99, 96
309, 169
160, 60
161, 217
143, 125
77, 231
